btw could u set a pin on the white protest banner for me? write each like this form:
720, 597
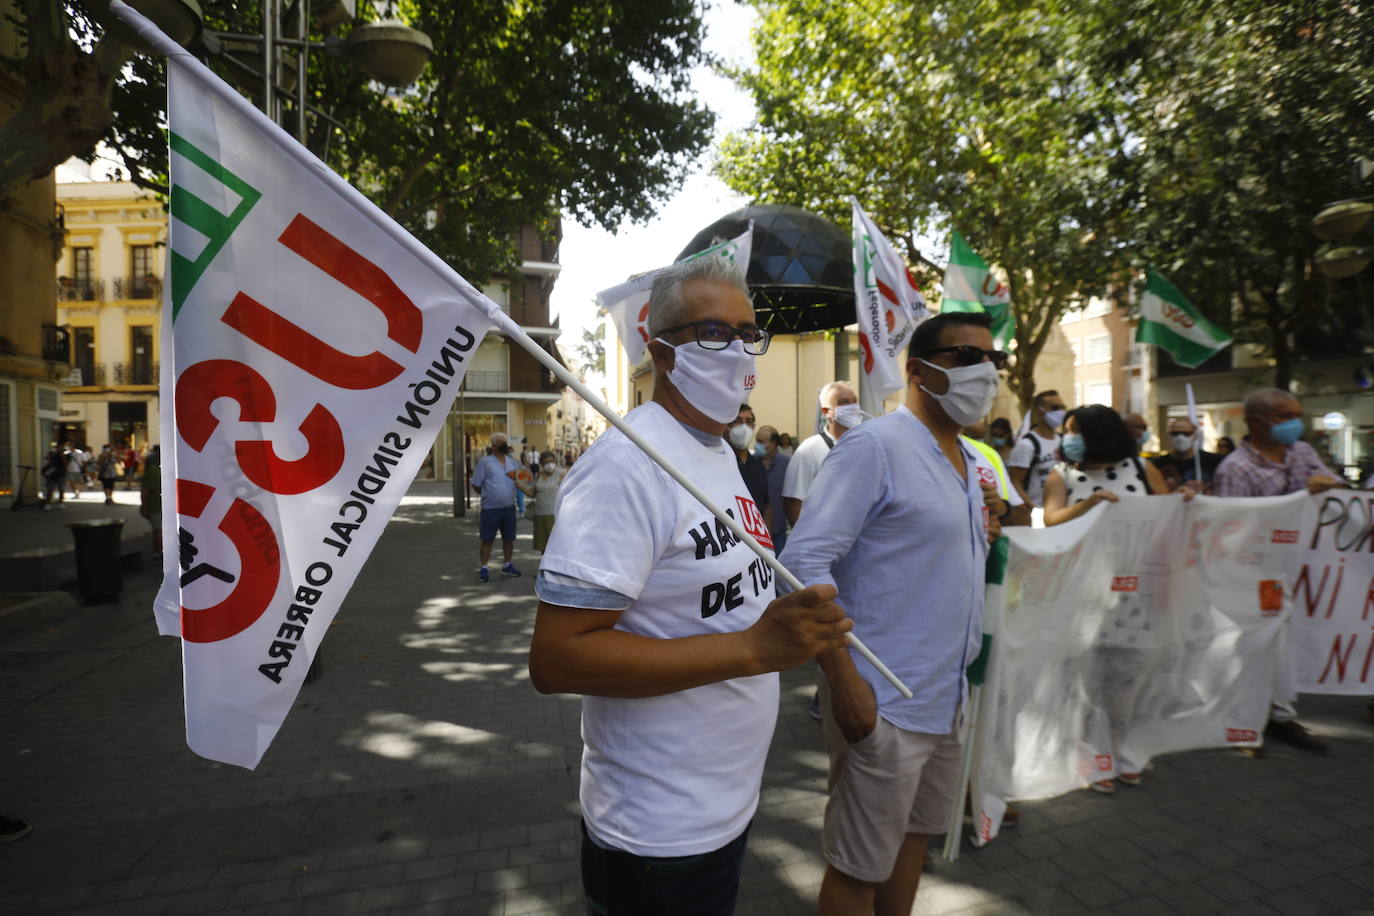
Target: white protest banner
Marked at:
1145, 627
311, 351
888, 306
628, 302
1332, 584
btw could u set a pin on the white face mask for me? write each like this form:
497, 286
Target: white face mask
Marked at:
715, 382
971, 391
1055, 418
1182, 441
848, 415
741, 436
548, 467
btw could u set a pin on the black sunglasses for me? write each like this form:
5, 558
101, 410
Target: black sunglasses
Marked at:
968, 355
717, 335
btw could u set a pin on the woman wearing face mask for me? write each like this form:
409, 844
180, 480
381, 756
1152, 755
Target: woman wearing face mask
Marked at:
543, 489
1000, 437
1101, 464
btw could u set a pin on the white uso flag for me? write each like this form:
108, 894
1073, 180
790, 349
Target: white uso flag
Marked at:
628, 303
311, 351
888, 306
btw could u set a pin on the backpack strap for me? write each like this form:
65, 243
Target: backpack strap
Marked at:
1140, 471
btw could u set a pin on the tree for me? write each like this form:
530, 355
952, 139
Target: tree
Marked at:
591, 349
936, 116
1248, 118
526, 110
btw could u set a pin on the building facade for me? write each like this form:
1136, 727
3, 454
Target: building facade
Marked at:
109, 305
32, 349
506, 389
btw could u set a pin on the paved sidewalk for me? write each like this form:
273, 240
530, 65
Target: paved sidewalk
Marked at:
422, 774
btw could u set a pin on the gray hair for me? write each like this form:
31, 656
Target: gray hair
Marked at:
500, 437
1263, 401
668, 307
830, 388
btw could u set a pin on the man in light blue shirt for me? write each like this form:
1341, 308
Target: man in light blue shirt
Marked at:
896, 521
494, 478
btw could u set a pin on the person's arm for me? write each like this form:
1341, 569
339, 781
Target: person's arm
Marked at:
1321, 478
479, 475
852, 700
1020, 507
1156, 480
793, 509
1019, 462
1057, 512
579, 651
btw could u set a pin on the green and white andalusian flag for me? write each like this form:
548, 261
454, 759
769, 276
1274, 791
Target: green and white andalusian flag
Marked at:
1168, 320
310, 351
971, 287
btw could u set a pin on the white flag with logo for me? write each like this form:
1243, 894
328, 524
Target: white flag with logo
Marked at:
311, 351
888, 304
628, 302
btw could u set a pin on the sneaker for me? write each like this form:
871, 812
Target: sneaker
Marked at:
483, 575
12, 829
509, 570
814, 709
1105, 786
1291, 732
1128, 779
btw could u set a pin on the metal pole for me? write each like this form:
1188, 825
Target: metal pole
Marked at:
269, 56
303, 8
462, 467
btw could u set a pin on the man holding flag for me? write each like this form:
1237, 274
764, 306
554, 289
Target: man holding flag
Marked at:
666, 623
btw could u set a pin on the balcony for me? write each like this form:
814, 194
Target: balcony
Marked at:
140, 373
137, 288
88, 375
80, 290
491, 382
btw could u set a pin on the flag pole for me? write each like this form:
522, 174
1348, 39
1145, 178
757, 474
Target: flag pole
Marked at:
369, 210
512, 330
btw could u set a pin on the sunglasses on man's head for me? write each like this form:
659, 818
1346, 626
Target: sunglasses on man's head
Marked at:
967, 355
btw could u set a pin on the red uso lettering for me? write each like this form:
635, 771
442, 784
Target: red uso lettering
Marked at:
1103, 761
1239, 735
260, 567
749, 381
202, 384
751, 519
1125, 583
1282, 536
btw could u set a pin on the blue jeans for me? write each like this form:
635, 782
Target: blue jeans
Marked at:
519, 501
618, 883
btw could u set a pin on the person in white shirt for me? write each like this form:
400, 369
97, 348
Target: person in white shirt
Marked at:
1035, 453
840, 408
899, 523
667, 624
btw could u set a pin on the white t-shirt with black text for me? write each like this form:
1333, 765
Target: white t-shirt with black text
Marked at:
1022, 456
674, 775
804, 466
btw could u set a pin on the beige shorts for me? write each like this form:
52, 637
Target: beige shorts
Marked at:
889, 783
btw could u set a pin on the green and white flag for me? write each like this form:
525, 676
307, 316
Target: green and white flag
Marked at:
1168, 320
971, 287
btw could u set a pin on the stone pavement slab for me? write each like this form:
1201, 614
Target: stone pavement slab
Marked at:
422, 774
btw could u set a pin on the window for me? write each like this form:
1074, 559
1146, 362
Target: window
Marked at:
142, 283
81, 265
81, 285
83, 354
141, 355
1097, 349
1098, 393
7, 439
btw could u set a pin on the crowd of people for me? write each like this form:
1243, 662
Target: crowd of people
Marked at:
72, 468
675, 634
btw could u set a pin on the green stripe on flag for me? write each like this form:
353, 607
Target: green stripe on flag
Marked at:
204, 218
995, 573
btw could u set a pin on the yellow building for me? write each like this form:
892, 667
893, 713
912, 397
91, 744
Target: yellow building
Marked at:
109, 303
31, 346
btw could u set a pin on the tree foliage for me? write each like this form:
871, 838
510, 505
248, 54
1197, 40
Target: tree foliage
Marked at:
526, 109
942, 116
1246, 119
1073, 142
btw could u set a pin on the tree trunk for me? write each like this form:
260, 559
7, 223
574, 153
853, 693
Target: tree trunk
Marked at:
66, 105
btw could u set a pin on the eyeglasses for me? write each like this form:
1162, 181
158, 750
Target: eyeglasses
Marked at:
717, 335
967, 355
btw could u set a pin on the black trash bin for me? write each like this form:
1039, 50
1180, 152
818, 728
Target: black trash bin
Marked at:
99, 560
